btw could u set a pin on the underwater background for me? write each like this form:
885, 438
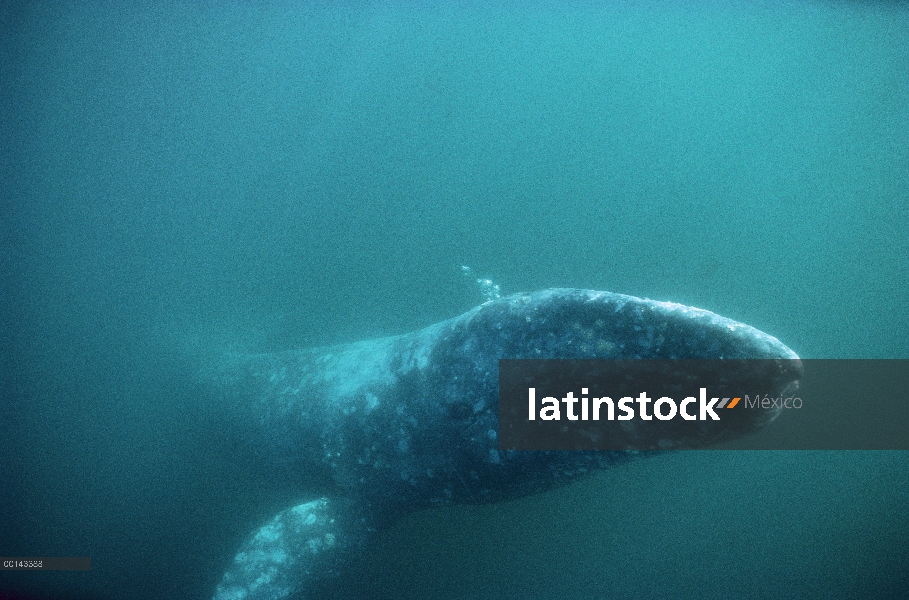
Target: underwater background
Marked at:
184, 179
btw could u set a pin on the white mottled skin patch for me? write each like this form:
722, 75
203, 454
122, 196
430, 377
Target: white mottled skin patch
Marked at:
281, 552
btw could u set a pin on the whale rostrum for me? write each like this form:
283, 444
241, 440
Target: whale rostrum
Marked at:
409, 422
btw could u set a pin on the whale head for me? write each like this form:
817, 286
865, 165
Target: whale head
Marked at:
660, 342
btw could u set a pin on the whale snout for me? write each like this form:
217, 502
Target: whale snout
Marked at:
572, 323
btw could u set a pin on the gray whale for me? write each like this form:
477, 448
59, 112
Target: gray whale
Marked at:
408, 422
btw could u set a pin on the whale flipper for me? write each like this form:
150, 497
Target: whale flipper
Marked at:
299, 548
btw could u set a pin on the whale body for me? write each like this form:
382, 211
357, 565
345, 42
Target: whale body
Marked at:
404, 423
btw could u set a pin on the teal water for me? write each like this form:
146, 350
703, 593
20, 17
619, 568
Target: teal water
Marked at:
183, 179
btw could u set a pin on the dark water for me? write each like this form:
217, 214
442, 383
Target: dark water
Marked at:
180, 179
